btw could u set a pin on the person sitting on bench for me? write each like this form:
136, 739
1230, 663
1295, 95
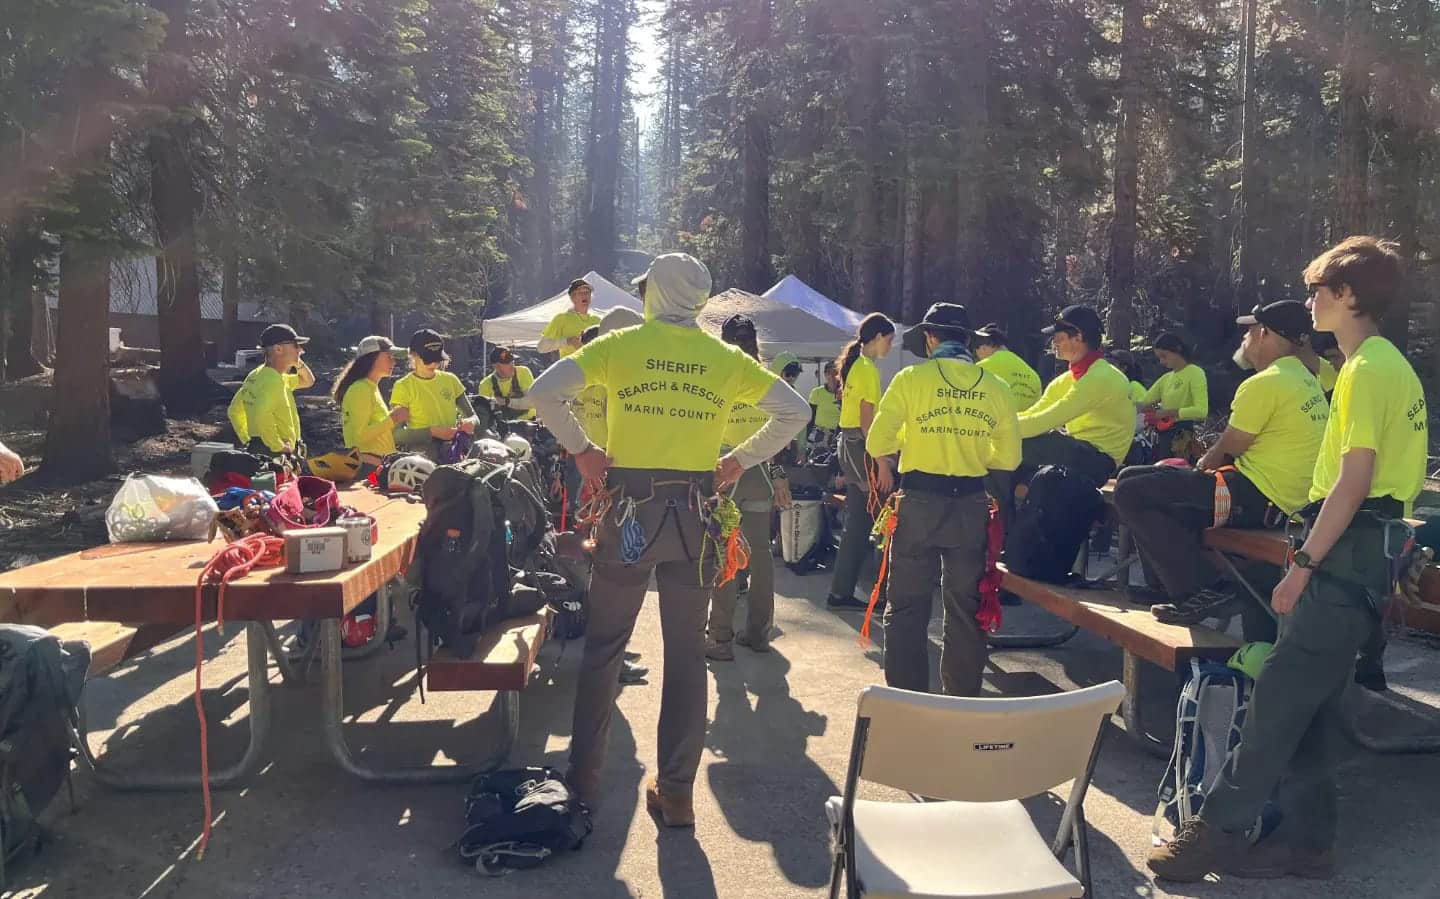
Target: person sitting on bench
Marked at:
1262, 462
1177, 400
1090, 400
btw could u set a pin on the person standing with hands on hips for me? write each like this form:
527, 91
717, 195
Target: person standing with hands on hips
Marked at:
1370, 469
858, 398
951, 423
436, 400
670, 388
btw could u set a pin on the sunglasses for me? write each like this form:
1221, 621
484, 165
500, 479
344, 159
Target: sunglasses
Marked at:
1312, 289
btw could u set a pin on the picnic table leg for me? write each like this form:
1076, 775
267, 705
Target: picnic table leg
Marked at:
233, 776
1030, 641
1396, 745
384, 601
333, 710
292, 667
1130, 710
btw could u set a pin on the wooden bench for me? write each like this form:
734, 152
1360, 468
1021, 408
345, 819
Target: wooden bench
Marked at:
503, 661
1132, 628
111, 643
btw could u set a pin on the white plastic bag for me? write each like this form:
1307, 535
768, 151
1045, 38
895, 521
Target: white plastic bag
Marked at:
150, 508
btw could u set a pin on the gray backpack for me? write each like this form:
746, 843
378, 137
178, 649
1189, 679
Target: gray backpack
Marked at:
40, 684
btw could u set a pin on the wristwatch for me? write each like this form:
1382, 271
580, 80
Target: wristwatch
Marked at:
1302, 560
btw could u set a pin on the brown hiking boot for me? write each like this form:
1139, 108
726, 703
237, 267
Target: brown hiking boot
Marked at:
675, 809
1198, 849
717, 651
753, 645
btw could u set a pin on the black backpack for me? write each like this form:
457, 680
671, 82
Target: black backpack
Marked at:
1051, 524
40, 684
483, 520
518, 818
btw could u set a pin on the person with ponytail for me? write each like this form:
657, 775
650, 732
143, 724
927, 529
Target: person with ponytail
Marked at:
859, 397
368, 424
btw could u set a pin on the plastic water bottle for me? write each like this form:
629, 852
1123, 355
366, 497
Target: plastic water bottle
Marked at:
509, 534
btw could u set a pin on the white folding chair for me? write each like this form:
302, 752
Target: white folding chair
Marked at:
979, 757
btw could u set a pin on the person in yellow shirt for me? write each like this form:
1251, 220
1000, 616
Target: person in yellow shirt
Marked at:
825, 404
1370, 468
670, 388
1262, 462
758, 493
263, 412
858, 399
506, 386
563, 333
368, 424
950, 422
993, 353
438, 406
1179, 398
1090, 401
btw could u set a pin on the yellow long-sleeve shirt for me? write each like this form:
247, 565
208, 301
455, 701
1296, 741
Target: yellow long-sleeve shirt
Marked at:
1096, 409
264, 407
947, 417
1185, 391
365, 419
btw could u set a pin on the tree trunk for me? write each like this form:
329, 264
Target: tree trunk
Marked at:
1245, 292
230, 227
1121, 264
1353, 177
23, 250
866, 56
77, 442
973, 161
756, 273
175, 198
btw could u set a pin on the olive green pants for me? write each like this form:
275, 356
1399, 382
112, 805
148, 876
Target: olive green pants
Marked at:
756, 499
939, 542
671, 525
1292, 738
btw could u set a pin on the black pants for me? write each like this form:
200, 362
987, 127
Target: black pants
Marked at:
1167, 510
1055, 448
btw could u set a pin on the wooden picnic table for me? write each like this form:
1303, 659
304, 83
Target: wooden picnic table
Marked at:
143, 584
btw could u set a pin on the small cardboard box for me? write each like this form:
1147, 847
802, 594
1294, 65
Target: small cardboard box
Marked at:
313, 550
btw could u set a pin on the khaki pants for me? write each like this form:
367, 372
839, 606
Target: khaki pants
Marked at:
670, 521
939, 541
756, 500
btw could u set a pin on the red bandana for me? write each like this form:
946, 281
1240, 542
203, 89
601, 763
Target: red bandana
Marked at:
1078, 369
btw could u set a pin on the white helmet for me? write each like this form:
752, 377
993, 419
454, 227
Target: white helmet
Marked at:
408, 474
519, 446
491, 450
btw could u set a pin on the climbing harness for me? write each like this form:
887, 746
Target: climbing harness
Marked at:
886, 522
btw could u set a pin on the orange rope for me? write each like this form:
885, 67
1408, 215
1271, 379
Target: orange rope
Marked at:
737, 556
887, 534
234, 560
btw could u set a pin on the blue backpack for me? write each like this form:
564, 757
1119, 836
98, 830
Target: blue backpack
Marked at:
1208, 720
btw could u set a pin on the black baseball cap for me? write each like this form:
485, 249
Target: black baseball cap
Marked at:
992, 333
280, 334
500, 355
1081, 319
577, 284
1288, 318
428, 345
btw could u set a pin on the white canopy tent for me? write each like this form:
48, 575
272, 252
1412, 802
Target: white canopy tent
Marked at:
793, 292
522, 328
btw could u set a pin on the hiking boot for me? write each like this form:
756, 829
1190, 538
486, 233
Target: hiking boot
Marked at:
631, 673
845, 603
753, 645
717, 651
674, 808
631, 656
1195, 608
1197, 850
